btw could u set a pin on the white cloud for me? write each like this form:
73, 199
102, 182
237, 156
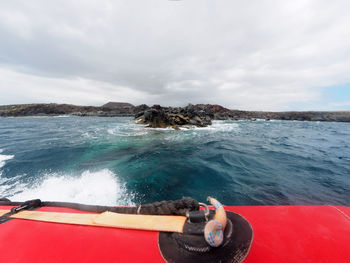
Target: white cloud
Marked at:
266, 55
26, 88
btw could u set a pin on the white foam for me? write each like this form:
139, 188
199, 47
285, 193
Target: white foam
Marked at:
4, 158
161, 129
219, 125
127, 132
112, 131
9, 186
100, 188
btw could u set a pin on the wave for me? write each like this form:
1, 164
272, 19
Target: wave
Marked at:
9, 186
98, 188
4, 158
219, 125
222, 126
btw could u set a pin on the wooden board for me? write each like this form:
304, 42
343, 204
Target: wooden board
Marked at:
142, 222
67, 218
2, 212
109, 219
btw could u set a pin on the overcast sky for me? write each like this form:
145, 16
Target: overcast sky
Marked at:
254, 55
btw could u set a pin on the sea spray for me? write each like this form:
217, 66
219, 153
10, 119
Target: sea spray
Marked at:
3, 159
100, 188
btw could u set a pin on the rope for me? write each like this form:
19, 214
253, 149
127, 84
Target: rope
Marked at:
177, 207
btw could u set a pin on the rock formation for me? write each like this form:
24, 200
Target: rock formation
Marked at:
162, 117
54, 109
199, 115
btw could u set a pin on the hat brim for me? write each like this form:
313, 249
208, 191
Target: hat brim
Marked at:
238, 237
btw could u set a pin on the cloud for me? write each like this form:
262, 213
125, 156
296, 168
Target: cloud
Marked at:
27, 88
264, 55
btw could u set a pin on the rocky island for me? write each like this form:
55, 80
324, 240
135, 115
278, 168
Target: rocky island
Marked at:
156, 116
162, 117
201, 115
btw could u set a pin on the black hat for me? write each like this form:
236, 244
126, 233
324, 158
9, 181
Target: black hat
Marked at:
190, 248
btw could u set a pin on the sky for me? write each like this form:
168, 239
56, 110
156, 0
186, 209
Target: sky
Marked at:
250, 55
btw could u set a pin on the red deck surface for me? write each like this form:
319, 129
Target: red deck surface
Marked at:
281, 234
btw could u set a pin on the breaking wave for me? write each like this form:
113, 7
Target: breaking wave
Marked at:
99, 188
4, 158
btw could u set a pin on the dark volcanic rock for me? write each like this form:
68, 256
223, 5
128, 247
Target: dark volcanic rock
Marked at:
140, 109
162, 117
53, 109
338, 116
213, 111
199, 115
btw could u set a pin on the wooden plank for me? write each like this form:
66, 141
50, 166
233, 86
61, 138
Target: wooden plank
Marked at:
55, 217
109, 219
2, 212
141, 222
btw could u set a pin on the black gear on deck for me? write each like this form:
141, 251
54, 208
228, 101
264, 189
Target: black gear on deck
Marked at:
190, 246
177, 207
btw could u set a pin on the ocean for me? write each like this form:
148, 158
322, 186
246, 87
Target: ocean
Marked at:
113, 161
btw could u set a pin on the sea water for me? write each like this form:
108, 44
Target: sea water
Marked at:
113, 161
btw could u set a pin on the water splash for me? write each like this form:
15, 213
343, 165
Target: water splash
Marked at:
3, 159
100, 187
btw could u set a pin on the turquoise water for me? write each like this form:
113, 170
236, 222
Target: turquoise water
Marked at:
114, 161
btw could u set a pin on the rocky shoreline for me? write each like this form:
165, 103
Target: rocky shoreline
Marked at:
53, 109
199, 115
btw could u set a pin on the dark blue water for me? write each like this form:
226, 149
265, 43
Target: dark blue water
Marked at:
114, 161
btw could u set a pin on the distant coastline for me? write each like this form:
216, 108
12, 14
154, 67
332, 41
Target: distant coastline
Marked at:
205, 111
